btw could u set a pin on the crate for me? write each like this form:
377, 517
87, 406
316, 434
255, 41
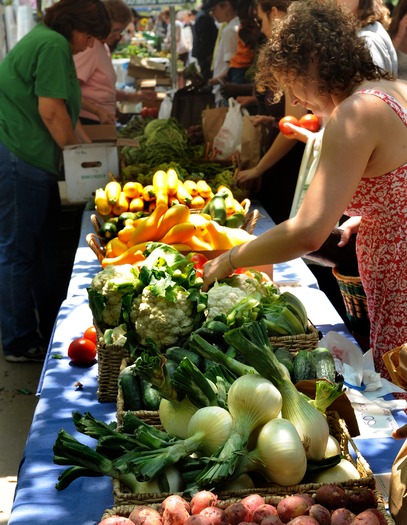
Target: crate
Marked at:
338, 428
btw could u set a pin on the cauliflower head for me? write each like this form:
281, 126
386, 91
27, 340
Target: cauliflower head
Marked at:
164, 321
221, 299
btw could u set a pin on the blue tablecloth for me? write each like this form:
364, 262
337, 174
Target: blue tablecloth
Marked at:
83, 503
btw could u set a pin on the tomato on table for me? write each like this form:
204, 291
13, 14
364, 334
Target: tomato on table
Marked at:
310, 122
288, 119
90, 333
82, 351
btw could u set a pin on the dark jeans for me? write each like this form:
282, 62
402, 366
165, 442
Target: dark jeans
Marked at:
29, 214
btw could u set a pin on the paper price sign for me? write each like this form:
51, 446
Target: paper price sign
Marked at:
374, 421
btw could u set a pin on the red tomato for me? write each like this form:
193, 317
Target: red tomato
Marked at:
288, 119
90, 333
199, 272
199, 259
144, 112
310, 122
82, 351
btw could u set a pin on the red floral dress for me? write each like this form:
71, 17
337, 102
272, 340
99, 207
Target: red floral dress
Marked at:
382, 251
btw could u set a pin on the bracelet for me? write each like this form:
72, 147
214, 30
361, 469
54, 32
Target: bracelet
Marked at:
230, 259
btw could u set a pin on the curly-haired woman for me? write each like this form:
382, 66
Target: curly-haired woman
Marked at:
316, 55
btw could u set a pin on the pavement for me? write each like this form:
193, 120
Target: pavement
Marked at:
18, 386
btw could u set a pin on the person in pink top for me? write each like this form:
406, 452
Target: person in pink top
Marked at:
97, 76
316, 55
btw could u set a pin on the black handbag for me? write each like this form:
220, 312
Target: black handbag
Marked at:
334, 256
189, 102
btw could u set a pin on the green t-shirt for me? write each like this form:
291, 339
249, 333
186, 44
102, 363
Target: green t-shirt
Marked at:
39, 65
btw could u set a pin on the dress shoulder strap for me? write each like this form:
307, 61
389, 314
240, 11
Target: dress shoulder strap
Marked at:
391, 101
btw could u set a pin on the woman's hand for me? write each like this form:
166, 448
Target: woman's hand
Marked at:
245, 176
400, 433
215, 270
298, 133
349, 227
105, 117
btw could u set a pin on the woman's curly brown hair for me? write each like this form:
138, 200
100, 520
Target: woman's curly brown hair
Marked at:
315, 33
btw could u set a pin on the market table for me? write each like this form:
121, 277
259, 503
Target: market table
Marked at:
65, 388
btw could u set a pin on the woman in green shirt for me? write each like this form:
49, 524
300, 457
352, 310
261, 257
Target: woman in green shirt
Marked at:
39, 108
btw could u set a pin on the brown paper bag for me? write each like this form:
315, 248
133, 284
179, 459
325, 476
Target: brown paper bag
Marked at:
212, 120
398, 487
252, 138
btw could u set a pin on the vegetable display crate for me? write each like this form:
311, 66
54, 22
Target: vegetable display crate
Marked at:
338, 429
110, 358
229, 498
294, 343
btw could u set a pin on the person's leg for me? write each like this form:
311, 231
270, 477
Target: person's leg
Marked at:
24, 198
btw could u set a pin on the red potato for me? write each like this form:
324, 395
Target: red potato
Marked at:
320, 513
198, 519
332, 497
116, 520
308, 498
303, 520
342, 517
367, 517
145, 515
251, 503
216, 515
272, 520
292, 506
201, 500
361, 499
379, 515
174, 510
236, 513
263, 511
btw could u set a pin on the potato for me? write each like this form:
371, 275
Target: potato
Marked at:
290, 507
235, 513
308, 498
201, 500
198, 519
216, 515
379, 515
263, 511
303, 520
361, 499
331, 496
272, 520
320, 513
251, 503
174, 510
116, 520
145, 515
342, 517
366, 517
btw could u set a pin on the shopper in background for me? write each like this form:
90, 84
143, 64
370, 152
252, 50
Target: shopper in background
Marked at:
97, 76
327, 68
225, 14
39, 108
180, 43
398, 34
204, 32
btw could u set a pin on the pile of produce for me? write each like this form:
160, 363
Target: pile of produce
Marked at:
329, 505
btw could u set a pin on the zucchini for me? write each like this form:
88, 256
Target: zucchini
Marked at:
304, 366
130, 383
285, 358
151, 396
324, 364
177, 354
217, 209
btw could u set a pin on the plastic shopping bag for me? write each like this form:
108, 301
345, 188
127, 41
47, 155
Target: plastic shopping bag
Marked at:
229, 138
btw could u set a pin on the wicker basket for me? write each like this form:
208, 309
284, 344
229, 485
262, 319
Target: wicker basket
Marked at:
391, 360
294, 343
110, 359
338, 429
354, 298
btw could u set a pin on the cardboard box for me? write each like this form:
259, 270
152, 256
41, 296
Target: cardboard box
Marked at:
87, 166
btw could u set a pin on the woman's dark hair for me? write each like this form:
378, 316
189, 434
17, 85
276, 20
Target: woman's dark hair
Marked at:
85, 16
399, 11
317, 40
266, 5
